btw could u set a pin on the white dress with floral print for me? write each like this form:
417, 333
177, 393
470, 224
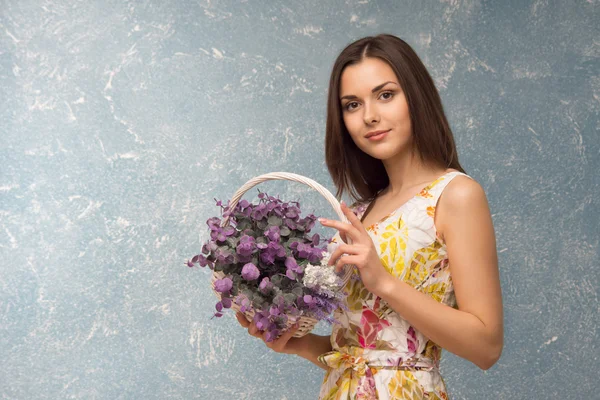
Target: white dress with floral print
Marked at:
376, 354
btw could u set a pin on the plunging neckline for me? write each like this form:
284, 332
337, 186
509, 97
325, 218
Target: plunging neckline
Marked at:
370, 203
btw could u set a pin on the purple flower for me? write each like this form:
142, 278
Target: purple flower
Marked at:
273, 233
272, 250
246, 246
277, 249
290, 274
274, 311
208, 247
245, 305
265, 285
201, 259
269, 235
267, 258
292, 212
226, 302
316, 239
223, 285
259, 212
246, 239
303, 250
213, 223
250, 272
272, 335
262, 323
309, 300
290, 263
315, 255
223, 256
243, 302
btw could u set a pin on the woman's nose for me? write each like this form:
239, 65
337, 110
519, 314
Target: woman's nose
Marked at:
371, 116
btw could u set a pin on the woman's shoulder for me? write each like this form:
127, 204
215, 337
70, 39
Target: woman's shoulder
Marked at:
462, 200
462, 191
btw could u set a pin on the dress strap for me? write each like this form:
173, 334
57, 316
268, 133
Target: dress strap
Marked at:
436, 188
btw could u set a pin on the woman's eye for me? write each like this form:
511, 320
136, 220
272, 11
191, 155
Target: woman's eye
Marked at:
386, 95
351, 106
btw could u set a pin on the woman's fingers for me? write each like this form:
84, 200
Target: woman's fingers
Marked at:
280, 343
242, 319
346, 260
343, 237
352, 229
339, 251
352, 218
253, 330
251, 326
346, 230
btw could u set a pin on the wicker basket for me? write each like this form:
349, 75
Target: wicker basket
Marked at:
306, 323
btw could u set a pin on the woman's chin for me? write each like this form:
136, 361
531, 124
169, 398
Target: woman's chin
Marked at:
382, 155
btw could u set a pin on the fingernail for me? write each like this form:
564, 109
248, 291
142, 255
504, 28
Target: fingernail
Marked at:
321, 220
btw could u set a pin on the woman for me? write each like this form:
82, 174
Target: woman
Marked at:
421, 232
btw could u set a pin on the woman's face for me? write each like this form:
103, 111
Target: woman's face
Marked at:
375, 110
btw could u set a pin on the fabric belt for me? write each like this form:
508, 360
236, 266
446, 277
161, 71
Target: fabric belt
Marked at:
354, 364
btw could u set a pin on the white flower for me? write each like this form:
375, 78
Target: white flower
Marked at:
322, 277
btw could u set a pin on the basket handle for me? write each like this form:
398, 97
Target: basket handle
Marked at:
288, 177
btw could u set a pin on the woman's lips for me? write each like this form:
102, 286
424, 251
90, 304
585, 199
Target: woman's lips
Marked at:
377, 135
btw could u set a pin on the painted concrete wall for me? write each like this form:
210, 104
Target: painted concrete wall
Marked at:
121, 121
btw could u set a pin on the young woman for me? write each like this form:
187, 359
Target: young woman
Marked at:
421, 236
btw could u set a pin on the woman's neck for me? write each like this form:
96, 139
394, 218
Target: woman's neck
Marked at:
409, 171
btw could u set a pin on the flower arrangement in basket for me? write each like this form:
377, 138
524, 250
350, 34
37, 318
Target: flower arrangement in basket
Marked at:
268, 265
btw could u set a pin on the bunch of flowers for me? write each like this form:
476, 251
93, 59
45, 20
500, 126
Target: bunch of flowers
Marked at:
271, 264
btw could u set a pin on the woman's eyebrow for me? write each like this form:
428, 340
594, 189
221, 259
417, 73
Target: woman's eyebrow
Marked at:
376, 88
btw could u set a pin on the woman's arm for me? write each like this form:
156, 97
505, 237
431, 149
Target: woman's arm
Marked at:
475, 330
310, 346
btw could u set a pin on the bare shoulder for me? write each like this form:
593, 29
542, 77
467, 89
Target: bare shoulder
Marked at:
462, 192
463, 199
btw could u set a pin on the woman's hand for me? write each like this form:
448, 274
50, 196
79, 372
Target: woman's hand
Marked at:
361, 252
284, 344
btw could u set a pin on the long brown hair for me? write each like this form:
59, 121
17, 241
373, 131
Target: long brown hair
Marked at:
356, 172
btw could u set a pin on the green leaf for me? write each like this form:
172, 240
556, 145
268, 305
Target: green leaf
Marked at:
232, 242
278, 298
274, 220
277, 280
289, 298
244, 224
297, 291
262, 224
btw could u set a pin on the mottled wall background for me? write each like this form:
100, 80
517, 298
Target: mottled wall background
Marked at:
121, 121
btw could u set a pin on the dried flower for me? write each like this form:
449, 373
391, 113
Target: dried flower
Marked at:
250, 272
321, 277
223, 285
272, 264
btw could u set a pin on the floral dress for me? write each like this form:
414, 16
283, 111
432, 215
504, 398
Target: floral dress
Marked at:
375, 353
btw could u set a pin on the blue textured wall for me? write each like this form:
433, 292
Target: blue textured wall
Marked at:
121, 121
